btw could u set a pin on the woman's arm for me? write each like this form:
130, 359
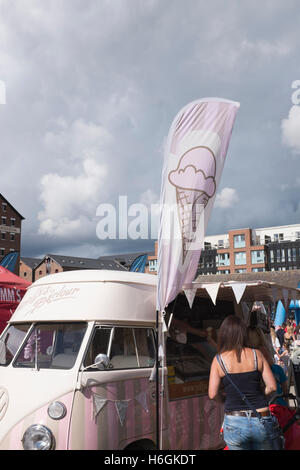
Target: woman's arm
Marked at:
267, 373
214, 380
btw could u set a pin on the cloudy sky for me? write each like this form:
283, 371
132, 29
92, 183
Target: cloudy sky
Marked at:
92, 87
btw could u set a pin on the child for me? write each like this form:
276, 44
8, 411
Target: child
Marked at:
284, 357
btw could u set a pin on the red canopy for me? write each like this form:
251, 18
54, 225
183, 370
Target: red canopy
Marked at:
12, 289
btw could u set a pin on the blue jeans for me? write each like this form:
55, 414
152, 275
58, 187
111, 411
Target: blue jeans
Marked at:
245, 433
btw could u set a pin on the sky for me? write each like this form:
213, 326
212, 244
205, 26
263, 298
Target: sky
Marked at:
91, 90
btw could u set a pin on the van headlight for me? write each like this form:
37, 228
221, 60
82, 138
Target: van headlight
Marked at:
38, 437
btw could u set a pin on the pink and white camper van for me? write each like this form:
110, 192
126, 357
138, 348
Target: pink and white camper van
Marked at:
77, 361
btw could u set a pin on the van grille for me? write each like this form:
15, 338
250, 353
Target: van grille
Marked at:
3, 402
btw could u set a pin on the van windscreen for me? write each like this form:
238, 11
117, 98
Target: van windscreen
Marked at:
11, 340
51, 346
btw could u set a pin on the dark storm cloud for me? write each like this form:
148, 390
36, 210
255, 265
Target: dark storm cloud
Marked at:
92, 89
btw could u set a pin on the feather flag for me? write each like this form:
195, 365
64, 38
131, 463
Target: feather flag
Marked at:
194, 159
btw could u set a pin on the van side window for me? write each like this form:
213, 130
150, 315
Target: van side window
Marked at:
127, 348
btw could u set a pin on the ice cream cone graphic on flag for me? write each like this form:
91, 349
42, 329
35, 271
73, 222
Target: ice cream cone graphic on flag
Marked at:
194, 180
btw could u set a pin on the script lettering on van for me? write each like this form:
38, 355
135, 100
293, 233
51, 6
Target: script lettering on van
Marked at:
46, 295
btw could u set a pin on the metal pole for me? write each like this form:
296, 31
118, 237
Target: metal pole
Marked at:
157, 383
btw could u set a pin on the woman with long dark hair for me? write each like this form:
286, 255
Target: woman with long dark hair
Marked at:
247, 368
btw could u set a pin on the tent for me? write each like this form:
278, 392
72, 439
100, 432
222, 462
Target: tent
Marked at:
12, 289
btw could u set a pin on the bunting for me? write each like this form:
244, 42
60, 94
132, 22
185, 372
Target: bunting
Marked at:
120, 405
238, 290
212, 290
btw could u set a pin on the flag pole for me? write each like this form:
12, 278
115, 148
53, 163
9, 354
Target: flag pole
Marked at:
157, 382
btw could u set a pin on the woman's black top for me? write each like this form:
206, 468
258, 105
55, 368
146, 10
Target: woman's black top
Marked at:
249, 384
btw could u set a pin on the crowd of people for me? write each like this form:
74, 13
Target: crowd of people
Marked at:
247, 357
283, 337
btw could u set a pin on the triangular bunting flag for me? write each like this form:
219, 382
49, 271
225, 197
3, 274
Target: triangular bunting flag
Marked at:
142, 399
190, 295
238, 290
121, 407
98, 403
212, 290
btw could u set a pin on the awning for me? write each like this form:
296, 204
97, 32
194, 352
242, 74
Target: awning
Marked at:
12, 290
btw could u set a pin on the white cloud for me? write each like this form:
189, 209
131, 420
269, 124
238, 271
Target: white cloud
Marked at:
266, 48
70, 201
290, 128
228, 197
78, 140
70, 196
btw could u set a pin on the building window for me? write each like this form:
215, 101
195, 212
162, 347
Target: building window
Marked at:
240, 258
25, 274
258, 270
271, 256
153, 265
223, 259
278, 237
240, 270
278, 256
4, 206
220, 243
12, 237
3, 235
239, 241
12, 221
2, 251
3, 220
224, 271
257, 256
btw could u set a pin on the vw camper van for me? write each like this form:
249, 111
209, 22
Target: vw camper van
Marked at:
77, 361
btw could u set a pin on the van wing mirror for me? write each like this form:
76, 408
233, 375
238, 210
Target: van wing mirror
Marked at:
102, 361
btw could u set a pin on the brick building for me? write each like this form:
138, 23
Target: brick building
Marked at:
152, 261
247, 250
35, 268
241, 255
10, 229
27, 267
52, 264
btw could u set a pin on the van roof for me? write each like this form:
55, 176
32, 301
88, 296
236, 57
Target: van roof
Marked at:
84, 295
97, 275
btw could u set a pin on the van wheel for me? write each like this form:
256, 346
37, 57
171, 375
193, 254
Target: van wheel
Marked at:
144, 444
